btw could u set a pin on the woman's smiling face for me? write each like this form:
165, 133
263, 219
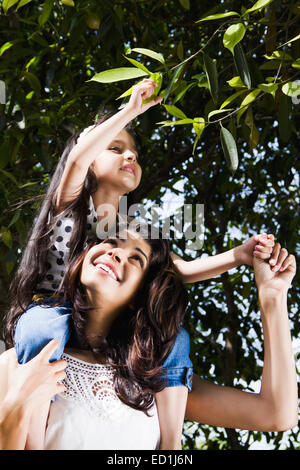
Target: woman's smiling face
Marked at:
118, 165
113, 270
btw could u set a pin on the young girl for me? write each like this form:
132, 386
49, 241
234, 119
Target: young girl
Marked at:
96, 170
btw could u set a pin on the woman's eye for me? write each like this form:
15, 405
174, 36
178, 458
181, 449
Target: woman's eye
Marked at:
111, 241
139, 259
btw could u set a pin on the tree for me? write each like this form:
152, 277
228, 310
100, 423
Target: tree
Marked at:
236, 71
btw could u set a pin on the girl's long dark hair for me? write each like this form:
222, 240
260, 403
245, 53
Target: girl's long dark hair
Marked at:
32, 266
141, 338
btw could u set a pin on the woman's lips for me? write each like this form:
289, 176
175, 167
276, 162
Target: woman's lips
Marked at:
107, 268
129, 168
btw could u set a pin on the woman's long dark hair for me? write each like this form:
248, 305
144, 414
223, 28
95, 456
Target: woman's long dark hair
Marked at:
32, 266
141, 338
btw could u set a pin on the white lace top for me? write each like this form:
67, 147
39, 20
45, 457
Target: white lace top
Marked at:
88, 415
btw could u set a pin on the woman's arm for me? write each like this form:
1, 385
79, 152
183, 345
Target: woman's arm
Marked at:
24, 391
275, 407
206, 268
171, 404
96, 140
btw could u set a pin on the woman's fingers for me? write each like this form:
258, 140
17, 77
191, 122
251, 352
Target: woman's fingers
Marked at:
288, 262
47, 351
275, 254
57, 366
59, 376
283, 254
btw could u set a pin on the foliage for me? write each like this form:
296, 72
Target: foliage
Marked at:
228, 69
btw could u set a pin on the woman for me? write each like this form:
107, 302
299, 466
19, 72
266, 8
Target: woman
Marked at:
128, 305
274, 408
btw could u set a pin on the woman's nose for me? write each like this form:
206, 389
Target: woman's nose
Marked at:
115, 254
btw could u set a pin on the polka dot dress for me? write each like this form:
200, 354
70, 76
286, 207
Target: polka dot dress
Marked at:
58, 254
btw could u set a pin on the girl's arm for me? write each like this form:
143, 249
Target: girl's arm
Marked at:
206, 268
275, 407
96, 140
171, 404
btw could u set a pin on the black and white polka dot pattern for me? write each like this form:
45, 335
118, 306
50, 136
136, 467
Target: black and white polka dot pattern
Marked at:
58, 255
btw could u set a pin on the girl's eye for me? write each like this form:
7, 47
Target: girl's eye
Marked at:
117, 149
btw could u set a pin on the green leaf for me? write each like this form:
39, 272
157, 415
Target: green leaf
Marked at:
218, 16
241, 65
250, 97
176, 123
199, 126
185, 4
284, 124
231, 98
33, 81
183, 92
158, 78
138, 65
150, 53
210, 66
173, 81
15, 218
229, 149
7, 4
22, 4
268, 88
296, 64
258, 5
46, 12
6, 237
10, 176
291, 40
254, 134
291, 89
273, 64
5, 47
279, 55
236, 82
233, 35
69, 3
174, 111
217, 111
180, 50
116, 75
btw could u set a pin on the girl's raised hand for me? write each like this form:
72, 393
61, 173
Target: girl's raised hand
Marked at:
260, 245
37, 381
141, 92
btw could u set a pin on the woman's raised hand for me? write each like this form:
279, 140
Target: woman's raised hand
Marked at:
140, 92
271, 281
35, 382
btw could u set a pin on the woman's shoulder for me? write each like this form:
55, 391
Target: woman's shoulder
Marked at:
7, 356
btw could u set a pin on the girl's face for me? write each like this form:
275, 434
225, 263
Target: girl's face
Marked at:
118, 165
113, 270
